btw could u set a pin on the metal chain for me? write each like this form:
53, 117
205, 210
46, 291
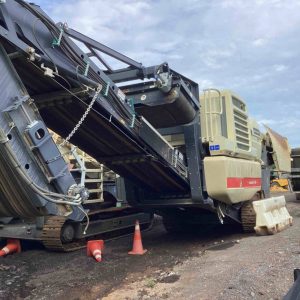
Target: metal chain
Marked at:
67, 139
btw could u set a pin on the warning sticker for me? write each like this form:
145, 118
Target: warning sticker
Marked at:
121, 95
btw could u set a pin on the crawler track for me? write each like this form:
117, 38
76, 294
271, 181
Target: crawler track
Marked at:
248, 214
248, 217
52, 235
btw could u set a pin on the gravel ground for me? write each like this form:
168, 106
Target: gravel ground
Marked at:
221, 263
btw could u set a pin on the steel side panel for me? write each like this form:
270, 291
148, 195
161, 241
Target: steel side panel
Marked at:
281, 151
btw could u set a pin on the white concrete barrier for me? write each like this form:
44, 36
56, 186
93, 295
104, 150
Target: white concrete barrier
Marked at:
271, 215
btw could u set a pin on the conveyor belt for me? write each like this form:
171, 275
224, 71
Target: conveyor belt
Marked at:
120, 148
111, 142
115, 148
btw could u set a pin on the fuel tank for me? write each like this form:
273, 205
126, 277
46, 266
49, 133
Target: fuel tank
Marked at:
232, 180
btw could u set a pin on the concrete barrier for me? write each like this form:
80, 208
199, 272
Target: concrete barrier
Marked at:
271, 215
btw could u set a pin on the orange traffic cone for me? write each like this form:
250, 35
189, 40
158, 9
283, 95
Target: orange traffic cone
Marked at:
137, 248
11, 247
94, 248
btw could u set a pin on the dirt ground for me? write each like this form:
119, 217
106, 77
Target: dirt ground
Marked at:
221, 263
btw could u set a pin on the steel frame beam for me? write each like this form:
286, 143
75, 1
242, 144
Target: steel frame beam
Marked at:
96, 45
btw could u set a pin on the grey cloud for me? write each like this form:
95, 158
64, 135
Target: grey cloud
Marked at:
251, 47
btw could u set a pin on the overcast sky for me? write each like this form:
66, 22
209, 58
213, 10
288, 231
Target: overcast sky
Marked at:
249, 46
